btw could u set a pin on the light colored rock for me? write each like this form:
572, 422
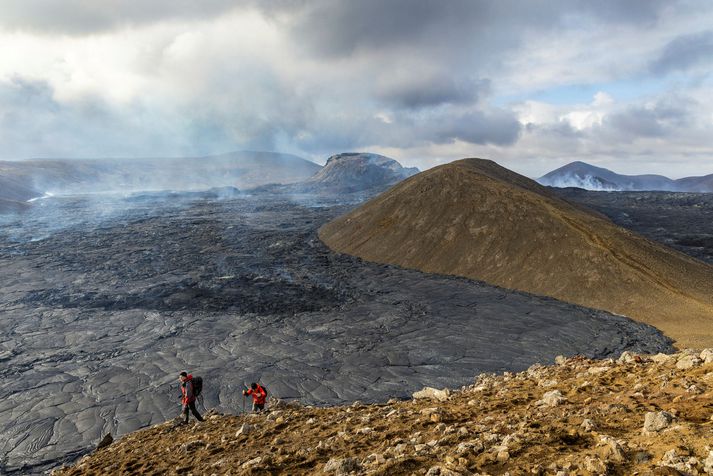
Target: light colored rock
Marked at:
626, 357
433, 394
192, 446
467, 447
708, 463
663, 358
441, 471
595, 465
611, 449
707, 356
588, 425
421, 448
341, 466
657, 421
251, 463
597, 370
244, 430
551, 399
688, 362
374, 459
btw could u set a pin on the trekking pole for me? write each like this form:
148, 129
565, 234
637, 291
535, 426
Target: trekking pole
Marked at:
244, 389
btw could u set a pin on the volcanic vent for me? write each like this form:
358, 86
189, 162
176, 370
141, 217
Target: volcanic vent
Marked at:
476, 219
351, 172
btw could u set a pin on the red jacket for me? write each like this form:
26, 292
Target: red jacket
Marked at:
258, 394
187, 390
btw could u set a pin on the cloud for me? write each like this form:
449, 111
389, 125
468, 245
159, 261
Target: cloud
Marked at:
659, 120
425, 80
415, 92
81, 17
685, 52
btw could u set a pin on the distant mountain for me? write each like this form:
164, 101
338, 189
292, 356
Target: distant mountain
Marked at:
476, 219
243, 169
356, 171
350, 173
589, 177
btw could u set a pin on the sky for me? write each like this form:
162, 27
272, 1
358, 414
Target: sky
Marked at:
533, 85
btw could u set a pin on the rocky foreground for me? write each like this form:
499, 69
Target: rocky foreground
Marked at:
640, 414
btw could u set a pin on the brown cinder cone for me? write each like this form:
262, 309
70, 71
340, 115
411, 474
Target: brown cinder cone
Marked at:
476, 219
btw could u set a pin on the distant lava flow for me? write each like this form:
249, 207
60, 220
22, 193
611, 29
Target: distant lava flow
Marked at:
476, 219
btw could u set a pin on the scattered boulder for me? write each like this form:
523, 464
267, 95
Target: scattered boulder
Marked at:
688, 362
244, 430
595, 465
657, 421
433, 394
662, 358
588, 425
611, 449
341, 466
253, 462
708, 463
551, 399
192, 446
707, 356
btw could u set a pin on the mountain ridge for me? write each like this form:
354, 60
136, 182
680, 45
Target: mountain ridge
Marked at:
583, 175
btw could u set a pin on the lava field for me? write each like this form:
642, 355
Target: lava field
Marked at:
104, 299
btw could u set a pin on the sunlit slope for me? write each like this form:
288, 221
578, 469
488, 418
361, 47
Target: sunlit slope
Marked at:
476, 219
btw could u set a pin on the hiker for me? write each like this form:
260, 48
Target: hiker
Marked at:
259, 395
188, 397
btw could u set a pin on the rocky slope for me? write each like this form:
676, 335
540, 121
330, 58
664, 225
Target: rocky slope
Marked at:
476, 219
640, 414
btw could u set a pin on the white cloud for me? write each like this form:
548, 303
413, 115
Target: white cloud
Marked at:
420, 84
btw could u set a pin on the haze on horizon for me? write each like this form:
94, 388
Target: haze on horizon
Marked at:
533, 85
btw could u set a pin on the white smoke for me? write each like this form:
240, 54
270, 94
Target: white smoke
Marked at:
587, 182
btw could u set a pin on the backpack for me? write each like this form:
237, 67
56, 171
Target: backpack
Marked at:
197, 386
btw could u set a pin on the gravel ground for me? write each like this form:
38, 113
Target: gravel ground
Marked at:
104, 300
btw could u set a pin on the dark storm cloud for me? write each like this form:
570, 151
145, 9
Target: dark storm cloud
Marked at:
342, 28
492, 127
91, 16
418, 91
685, 52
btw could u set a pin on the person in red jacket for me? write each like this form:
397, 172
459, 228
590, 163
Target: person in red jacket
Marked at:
188, 397
259, 395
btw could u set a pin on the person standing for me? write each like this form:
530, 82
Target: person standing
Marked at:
188, 397
259, 396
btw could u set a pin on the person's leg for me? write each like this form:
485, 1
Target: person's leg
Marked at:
185, 413
194, 411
